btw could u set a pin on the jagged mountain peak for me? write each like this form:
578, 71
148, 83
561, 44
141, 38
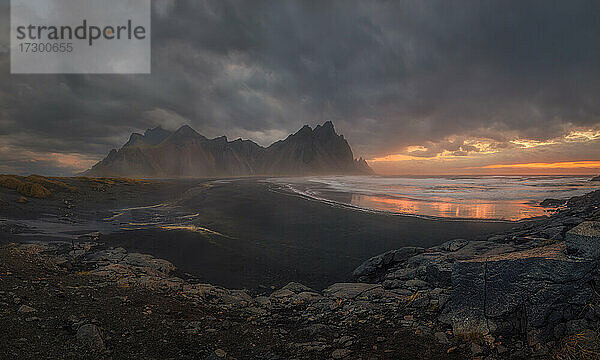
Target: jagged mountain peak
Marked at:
161, 153
183, 134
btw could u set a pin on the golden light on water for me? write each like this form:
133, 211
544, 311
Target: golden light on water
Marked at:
451, 208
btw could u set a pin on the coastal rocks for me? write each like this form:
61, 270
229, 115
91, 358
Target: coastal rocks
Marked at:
148, 261
584, 240
211, 294
372, 269
553, 203
356, 291
526, 292
290, 295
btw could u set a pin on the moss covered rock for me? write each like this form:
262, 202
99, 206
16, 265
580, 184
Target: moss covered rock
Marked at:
10, 182
33, 190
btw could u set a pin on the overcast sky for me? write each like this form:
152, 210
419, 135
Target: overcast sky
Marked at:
416, 86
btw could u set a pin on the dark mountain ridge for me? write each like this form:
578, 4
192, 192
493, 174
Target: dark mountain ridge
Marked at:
185, 153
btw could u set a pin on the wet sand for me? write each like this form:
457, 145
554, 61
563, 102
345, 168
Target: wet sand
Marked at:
243, 233
252, 234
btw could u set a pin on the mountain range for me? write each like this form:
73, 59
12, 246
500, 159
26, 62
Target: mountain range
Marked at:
186, 153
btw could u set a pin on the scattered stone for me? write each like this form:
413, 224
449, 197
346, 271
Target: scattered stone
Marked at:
441, 337
90, 336
217, 355
476, 349
340, 353
553, 203
22, 200
26, 309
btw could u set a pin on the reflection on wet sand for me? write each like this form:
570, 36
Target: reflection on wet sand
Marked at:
451, 208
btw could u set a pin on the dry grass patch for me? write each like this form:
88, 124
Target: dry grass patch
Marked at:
34, 190
52, 183
582, 346
10, 182
112, 181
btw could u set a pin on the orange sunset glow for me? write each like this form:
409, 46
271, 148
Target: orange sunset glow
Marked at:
575, 152
556, 165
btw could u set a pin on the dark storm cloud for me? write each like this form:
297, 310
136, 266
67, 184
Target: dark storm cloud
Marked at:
388, 73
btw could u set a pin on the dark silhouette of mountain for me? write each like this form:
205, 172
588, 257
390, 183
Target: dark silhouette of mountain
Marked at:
185, 153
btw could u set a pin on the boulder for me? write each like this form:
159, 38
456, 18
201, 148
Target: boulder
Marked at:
349, 290
372, 269
526, 292
553, 203
584, 240
148, 261
90, 336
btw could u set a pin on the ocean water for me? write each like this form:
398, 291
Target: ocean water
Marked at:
477, 197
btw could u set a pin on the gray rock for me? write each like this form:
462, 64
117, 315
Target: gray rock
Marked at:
297, 287
527, 291
109, 255
350, 290
372, 269
584, 240
148, 261
439, 274
26, 309
453, 245
341, 353
402, 274
476, 349
90, 336
441, 337
217, 355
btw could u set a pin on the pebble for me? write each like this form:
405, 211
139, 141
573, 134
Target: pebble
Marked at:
476, 349
340, 353
441, 337
26, 309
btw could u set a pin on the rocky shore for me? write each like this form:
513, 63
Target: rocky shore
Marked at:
529, 292
84, 300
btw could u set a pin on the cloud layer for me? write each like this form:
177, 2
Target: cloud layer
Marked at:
420, 78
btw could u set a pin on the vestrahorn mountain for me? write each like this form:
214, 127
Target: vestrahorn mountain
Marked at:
185, 153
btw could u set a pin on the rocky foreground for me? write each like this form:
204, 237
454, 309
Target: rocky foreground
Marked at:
527, 293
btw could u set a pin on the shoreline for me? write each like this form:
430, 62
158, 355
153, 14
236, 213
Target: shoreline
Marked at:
268, 238
408, 300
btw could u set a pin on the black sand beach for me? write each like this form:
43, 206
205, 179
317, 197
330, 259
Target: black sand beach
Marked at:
243, 233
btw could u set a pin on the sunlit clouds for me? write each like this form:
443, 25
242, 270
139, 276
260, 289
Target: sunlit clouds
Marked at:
488, 156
